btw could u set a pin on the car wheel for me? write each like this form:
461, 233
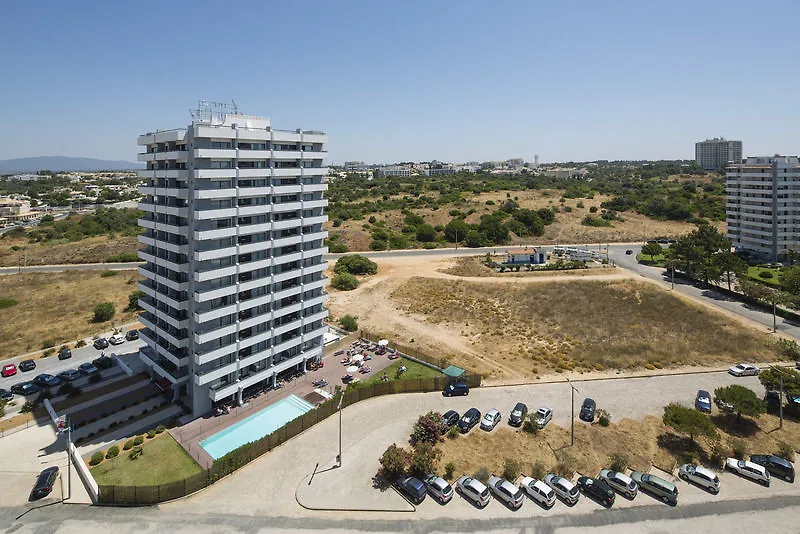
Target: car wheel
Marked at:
715, 491
788, 478
684, 477
665, 499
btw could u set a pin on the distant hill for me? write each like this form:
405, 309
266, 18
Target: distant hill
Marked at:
64, 163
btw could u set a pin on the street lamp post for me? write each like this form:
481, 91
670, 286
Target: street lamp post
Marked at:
339, 456
572, 419
780, 394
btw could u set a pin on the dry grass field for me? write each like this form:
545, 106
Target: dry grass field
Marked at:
57, 307
644, 443
90, 250
520, 329
474, 267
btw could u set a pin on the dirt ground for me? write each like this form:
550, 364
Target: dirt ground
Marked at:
567, 227
90, 250
644, 443
522, 327
57, 307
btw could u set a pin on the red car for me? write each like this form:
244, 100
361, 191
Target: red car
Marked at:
9, 370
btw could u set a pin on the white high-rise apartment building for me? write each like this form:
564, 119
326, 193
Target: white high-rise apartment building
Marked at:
234, 288
713, 154
763, 205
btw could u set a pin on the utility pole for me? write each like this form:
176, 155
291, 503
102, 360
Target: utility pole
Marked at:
339, 456
780, 399
456, 239
572, 419
69, 461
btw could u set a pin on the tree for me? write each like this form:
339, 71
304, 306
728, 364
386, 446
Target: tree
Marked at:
728, 265
426, 233
688, 421
696, 251
652, 250
133, 300
355, 264
344, 282
744, 401
474, 239
790, 280
394, 462
104, 312
428, 428
349, 322
770, 378
456, 230
424, 458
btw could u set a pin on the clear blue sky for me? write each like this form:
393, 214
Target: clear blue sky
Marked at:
454, 80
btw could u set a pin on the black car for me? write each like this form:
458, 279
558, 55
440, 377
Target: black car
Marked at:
412, 488
65, 354
597, 489
518, 414
773, 399
69, 375
470, 419
88, 369
45, 380
587, 410
5, 394
101, 343
459, 388
777, 466
25, 388
103, 362
131, 335
44, 483
451, 417
27, 365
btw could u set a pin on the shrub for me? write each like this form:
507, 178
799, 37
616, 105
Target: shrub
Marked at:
104, 312
135, 453
766, 275
716, 457
27, 407
481, 474
565, 466
113, 452
349, 322
788, 349
138, 440
511, 469
344, 282
151, 433
48, 352
160, 429
538, 470
80, 343
604, 418
424, 458
106, 274
394, 462
530, 425
355, 264
427, 429
124, 257
337, 248
618, 462
452, 433
48, 343
7, 303
785, 451
97, 458
739, 449
133, 300
428, 245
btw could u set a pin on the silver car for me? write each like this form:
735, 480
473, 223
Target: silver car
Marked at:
565, 489
619, 482
506, 492
490, 420
474, 490
438, 488
538, 491
701, 476
748, 469
543, 416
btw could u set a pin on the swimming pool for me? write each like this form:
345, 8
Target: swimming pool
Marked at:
256, 426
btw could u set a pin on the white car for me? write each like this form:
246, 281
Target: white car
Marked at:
701, 476
744, 369
117, 339
543, 416
748, 469
438, 488
474, 490
490, 420
506, 492
538, 491
563, 488
619, 482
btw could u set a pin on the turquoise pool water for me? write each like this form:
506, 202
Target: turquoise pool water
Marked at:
256, 426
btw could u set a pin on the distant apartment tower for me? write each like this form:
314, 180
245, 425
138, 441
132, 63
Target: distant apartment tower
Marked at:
353, 166
763, 205
716, 153
234, 289
394, 170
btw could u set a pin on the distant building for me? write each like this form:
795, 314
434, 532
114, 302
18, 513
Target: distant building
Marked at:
353, 166
525, 256
437, 169
10, 206
395, 170
515, 162
564, 172
716, 153
763, 205
26, 177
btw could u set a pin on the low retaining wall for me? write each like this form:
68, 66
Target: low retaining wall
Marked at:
83, 471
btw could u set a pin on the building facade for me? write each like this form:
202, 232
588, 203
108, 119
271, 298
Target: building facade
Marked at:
717, 153
395, 170
234, 288
763, 206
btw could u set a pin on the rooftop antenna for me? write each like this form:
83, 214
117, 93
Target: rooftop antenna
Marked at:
235, 107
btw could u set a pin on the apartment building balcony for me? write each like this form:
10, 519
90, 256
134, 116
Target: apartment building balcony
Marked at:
165, 210
254, 173
318, 219
285, 224
166, 245
286, 189
316, 284
247, 154
215, 153
152, 278
151, 360
177, 323
213, 254
213, 274
220, 213
177, 192
180, 343
286, 155
214, 313
246, 229
254, 284
163, 262
203, 378
315, 171
215, 293
313, 188
155, 225
293, 171
145, 157
152, 174
218, 352
318, 316
288, 206
204, 333
207, 193
288, 327
315, 236
258, 209
313, 301
311, 204
313, 155
287, 258
214, 173
214, 233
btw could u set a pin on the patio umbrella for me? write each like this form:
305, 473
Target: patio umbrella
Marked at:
383, 342
352, 369
357, 358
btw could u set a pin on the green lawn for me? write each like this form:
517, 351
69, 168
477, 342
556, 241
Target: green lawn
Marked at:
753, 272
163, 461
655, 261
415, 370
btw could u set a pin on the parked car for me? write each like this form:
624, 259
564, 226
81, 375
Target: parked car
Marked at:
438, 488
103, 362
597, 489
44, 483
773, 399
538, 491
25, 388
65, 354
518, 414
100, 343
777, 466
744, 369
474, 490
587, 410
132, 335
629, 252
703, 401
543, 416
565, 489
753, 471
490, 420
9, 370
6, 394
459, 388
27, 365
699, 475
412, 488
468, 420
117, 339
724, 406
45, 380
451, 418
88, 369
70, 375
619, 482
507, 492
656, 486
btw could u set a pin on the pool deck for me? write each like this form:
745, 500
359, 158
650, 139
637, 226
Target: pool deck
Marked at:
193, 432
